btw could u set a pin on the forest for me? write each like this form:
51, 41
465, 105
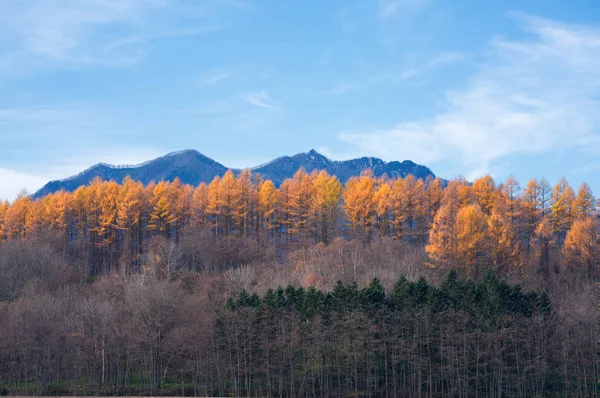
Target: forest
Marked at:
376, 287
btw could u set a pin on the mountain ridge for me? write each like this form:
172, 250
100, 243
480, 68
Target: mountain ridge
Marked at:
192, 167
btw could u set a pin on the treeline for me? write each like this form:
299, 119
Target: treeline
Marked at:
169, 289
149, 334
461, 339
466, 226
160, 332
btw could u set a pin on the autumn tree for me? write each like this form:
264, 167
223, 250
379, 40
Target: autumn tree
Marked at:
472, 239
531, 211
267, 207
484, 190
213, 208
503, 242
584, 205
563, 200
383, 207
432, 201
200, 204
246, 202
408, 196
285, 213
581, 246
15, 218
301, 198
359, 204
132, 217
399, 202
163, 216
443, 244
327, 192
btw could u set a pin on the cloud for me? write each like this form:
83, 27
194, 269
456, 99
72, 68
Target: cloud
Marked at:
44, 34
14, 182
530, 96
213, 77
262, 100
394, 77
343, 87
389, 9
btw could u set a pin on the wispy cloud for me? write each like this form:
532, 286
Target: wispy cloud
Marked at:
389, 9
41, 34
263, 100
212, 77
530, 96
414, 69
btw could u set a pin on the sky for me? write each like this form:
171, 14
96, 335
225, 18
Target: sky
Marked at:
467, 88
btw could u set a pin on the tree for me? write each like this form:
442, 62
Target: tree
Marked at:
267, 206
326, 196
563, 199
285, 210
200, 202
400, 205
383, 207
508, 200
472, 238
581, 246
412, 192
301, 198
228, 203
246, 203
485, 192
359, 204
108, 196
443, 243
531, 211
504, 248
15, 218
585, 204
433, 200
131, 206
213, 208
163, 216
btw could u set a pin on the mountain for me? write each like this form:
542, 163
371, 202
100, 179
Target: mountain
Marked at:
284, 167
192, 167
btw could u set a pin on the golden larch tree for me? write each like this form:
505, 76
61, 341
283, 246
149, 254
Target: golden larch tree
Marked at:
484, 190
326, 196
531, 211
581, 246
563, 200
383, 207
267, 207
503, 241
213, 210
15, 219
472, 239
443, 244
585, 203
399, 207
359, 204
200, 204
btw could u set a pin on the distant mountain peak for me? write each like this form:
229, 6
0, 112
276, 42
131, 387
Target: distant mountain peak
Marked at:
193, 167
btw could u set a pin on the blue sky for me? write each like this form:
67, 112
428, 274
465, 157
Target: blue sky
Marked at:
466, 88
